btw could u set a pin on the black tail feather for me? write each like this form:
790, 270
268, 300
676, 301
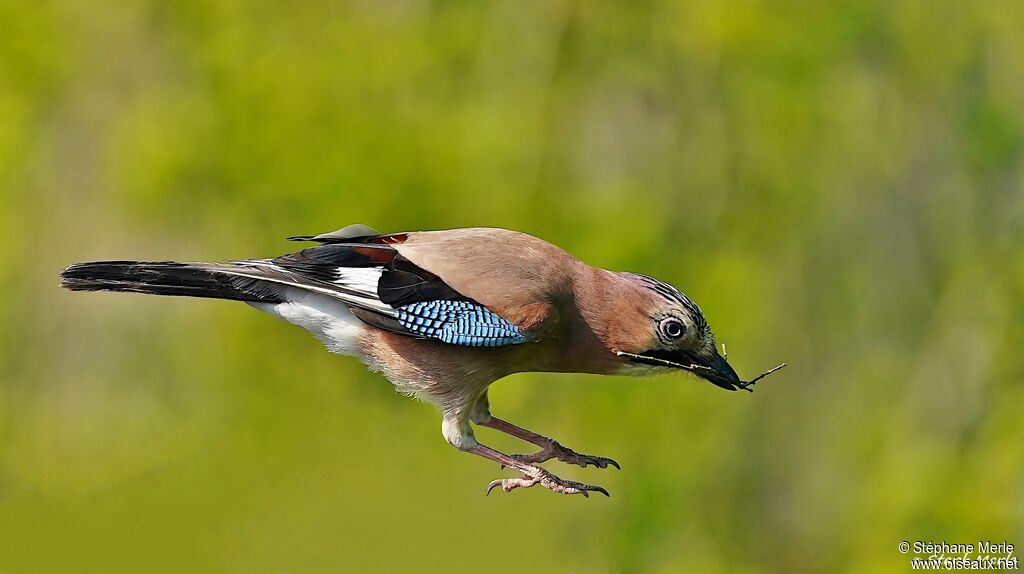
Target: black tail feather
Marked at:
168, 278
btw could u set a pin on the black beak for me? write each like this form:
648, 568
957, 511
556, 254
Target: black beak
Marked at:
715, 370
721, 373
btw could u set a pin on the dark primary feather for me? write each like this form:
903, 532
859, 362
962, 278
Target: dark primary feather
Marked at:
323, 261
401, 282
167, 278
384, 322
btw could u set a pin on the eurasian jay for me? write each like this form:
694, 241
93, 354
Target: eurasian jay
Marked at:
443, 314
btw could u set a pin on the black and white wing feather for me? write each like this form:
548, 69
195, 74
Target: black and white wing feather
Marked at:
369, 276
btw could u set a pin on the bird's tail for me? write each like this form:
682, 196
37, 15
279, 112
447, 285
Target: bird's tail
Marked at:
169, 278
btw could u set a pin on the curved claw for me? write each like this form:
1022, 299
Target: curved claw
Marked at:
510, 484
598, 461
535, 475
566, 455
493, 483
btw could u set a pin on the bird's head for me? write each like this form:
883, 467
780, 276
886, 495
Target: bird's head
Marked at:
674, 334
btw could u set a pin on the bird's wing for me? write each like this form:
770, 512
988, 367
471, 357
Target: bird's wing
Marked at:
512, 279
514, 274
385, 289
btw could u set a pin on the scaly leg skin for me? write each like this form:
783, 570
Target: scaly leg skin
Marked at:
549, 447
532, 475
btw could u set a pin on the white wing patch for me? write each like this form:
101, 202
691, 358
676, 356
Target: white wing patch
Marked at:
361, 279
365, 297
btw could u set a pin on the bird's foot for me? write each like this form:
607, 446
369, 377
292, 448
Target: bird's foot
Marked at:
534, 475
566, 455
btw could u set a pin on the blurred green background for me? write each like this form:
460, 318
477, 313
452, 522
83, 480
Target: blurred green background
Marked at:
840, 186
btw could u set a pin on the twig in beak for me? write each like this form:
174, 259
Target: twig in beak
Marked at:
699, 369
746, 386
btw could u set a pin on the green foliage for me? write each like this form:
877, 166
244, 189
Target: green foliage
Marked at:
839, 185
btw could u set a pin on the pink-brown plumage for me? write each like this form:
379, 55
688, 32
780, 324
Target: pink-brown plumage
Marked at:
394, 300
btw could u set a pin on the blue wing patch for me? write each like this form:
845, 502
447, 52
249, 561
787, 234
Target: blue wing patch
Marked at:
459, 323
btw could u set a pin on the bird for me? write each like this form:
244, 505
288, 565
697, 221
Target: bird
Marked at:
444, 314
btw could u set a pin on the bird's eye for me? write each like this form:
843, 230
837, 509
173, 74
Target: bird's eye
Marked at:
672, 328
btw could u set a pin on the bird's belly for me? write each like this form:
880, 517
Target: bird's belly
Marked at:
449, 376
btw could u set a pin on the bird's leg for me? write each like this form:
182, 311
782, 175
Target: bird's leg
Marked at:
532, 475
459, 433
550, 448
